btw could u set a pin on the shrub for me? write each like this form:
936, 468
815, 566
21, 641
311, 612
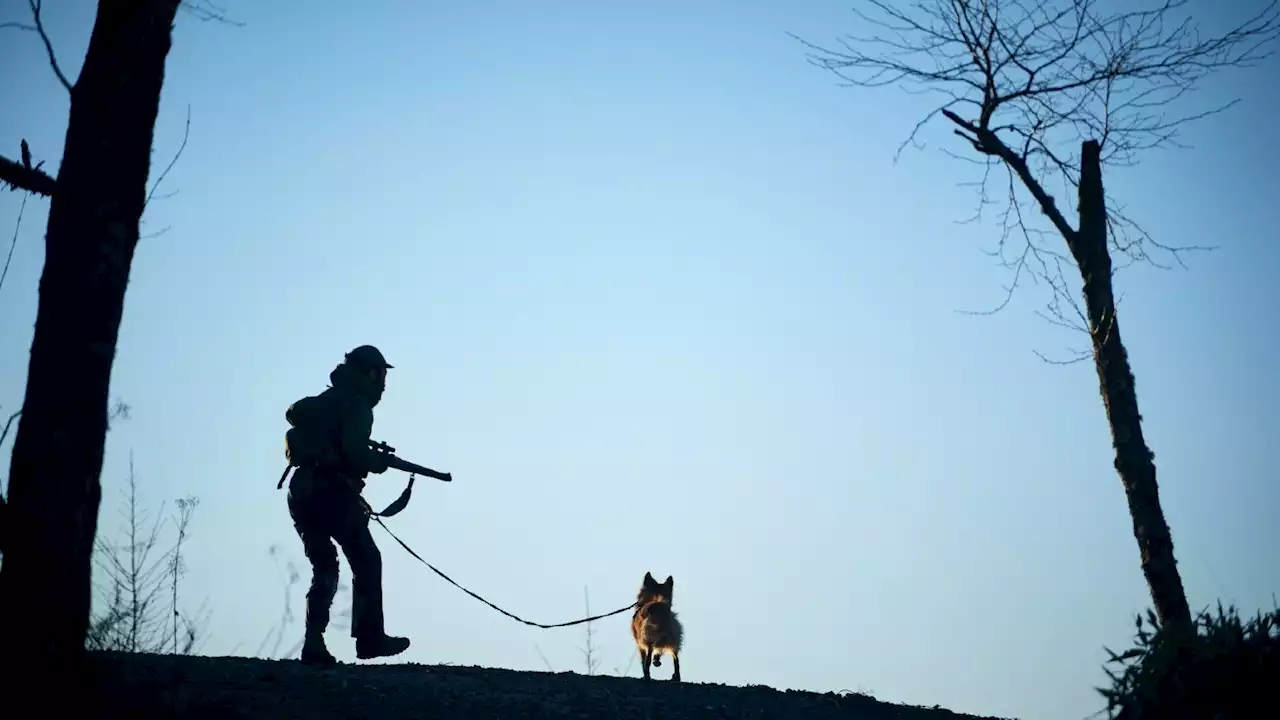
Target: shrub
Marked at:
1229, 669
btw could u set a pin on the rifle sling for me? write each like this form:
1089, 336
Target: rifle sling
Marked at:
399, 503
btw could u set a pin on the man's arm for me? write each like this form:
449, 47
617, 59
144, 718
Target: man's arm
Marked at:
356, 432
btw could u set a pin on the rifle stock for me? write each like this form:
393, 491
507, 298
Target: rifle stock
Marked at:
398, 463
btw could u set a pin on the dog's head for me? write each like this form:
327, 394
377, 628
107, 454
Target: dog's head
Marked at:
653, 591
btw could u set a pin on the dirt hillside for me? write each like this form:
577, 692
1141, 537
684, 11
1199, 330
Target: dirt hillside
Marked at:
143, 687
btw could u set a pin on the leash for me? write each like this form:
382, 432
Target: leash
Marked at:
399, 504
486, 602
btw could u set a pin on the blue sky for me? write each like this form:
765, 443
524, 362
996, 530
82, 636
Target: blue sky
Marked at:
659, 298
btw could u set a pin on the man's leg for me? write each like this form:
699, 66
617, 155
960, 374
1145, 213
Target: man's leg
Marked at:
324, 584
366, 582
366, 589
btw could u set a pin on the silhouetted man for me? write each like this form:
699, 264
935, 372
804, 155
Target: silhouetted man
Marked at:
329, 442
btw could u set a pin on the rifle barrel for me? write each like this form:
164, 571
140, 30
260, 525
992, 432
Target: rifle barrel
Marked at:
406, 466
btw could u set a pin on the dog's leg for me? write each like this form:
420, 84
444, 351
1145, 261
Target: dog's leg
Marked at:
675, 662
645, 657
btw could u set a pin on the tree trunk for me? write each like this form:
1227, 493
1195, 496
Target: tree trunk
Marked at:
1134, 460
54, 486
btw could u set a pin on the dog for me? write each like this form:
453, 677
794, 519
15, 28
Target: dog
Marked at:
655, 627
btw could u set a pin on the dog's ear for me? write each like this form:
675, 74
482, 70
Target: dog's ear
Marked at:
670, 583
648, 580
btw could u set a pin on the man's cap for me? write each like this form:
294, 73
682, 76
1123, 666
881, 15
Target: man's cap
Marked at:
368, 356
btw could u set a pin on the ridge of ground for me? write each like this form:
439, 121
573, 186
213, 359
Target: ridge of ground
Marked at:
146, 686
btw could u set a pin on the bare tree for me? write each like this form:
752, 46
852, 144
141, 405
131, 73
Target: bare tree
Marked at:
186, 507
96, 202
1025, 84
137, 577
590, 657
590, 651
275, 637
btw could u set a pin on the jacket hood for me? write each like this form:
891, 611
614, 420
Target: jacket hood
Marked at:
347, 378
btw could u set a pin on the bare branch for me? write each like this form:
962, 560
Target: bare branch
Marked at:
985, 141
20, 176
1077, 357
156, 234
207, 11
186, 133
12, 245
542, 655
286, 617
48, 46
5, 433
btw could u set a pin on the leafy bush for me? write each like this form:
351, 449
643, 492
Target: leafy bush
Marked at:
1229, 669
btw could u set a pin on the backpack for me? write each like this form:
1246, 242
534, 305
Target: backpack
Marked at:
311, 438
314, 422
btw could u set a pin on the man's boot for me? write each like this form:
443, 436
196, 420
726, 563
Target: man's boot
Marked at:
380, 645
314, 652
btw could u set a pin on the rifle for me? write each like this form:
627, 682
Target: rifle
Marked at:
388, 453
397, 463
392, 462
